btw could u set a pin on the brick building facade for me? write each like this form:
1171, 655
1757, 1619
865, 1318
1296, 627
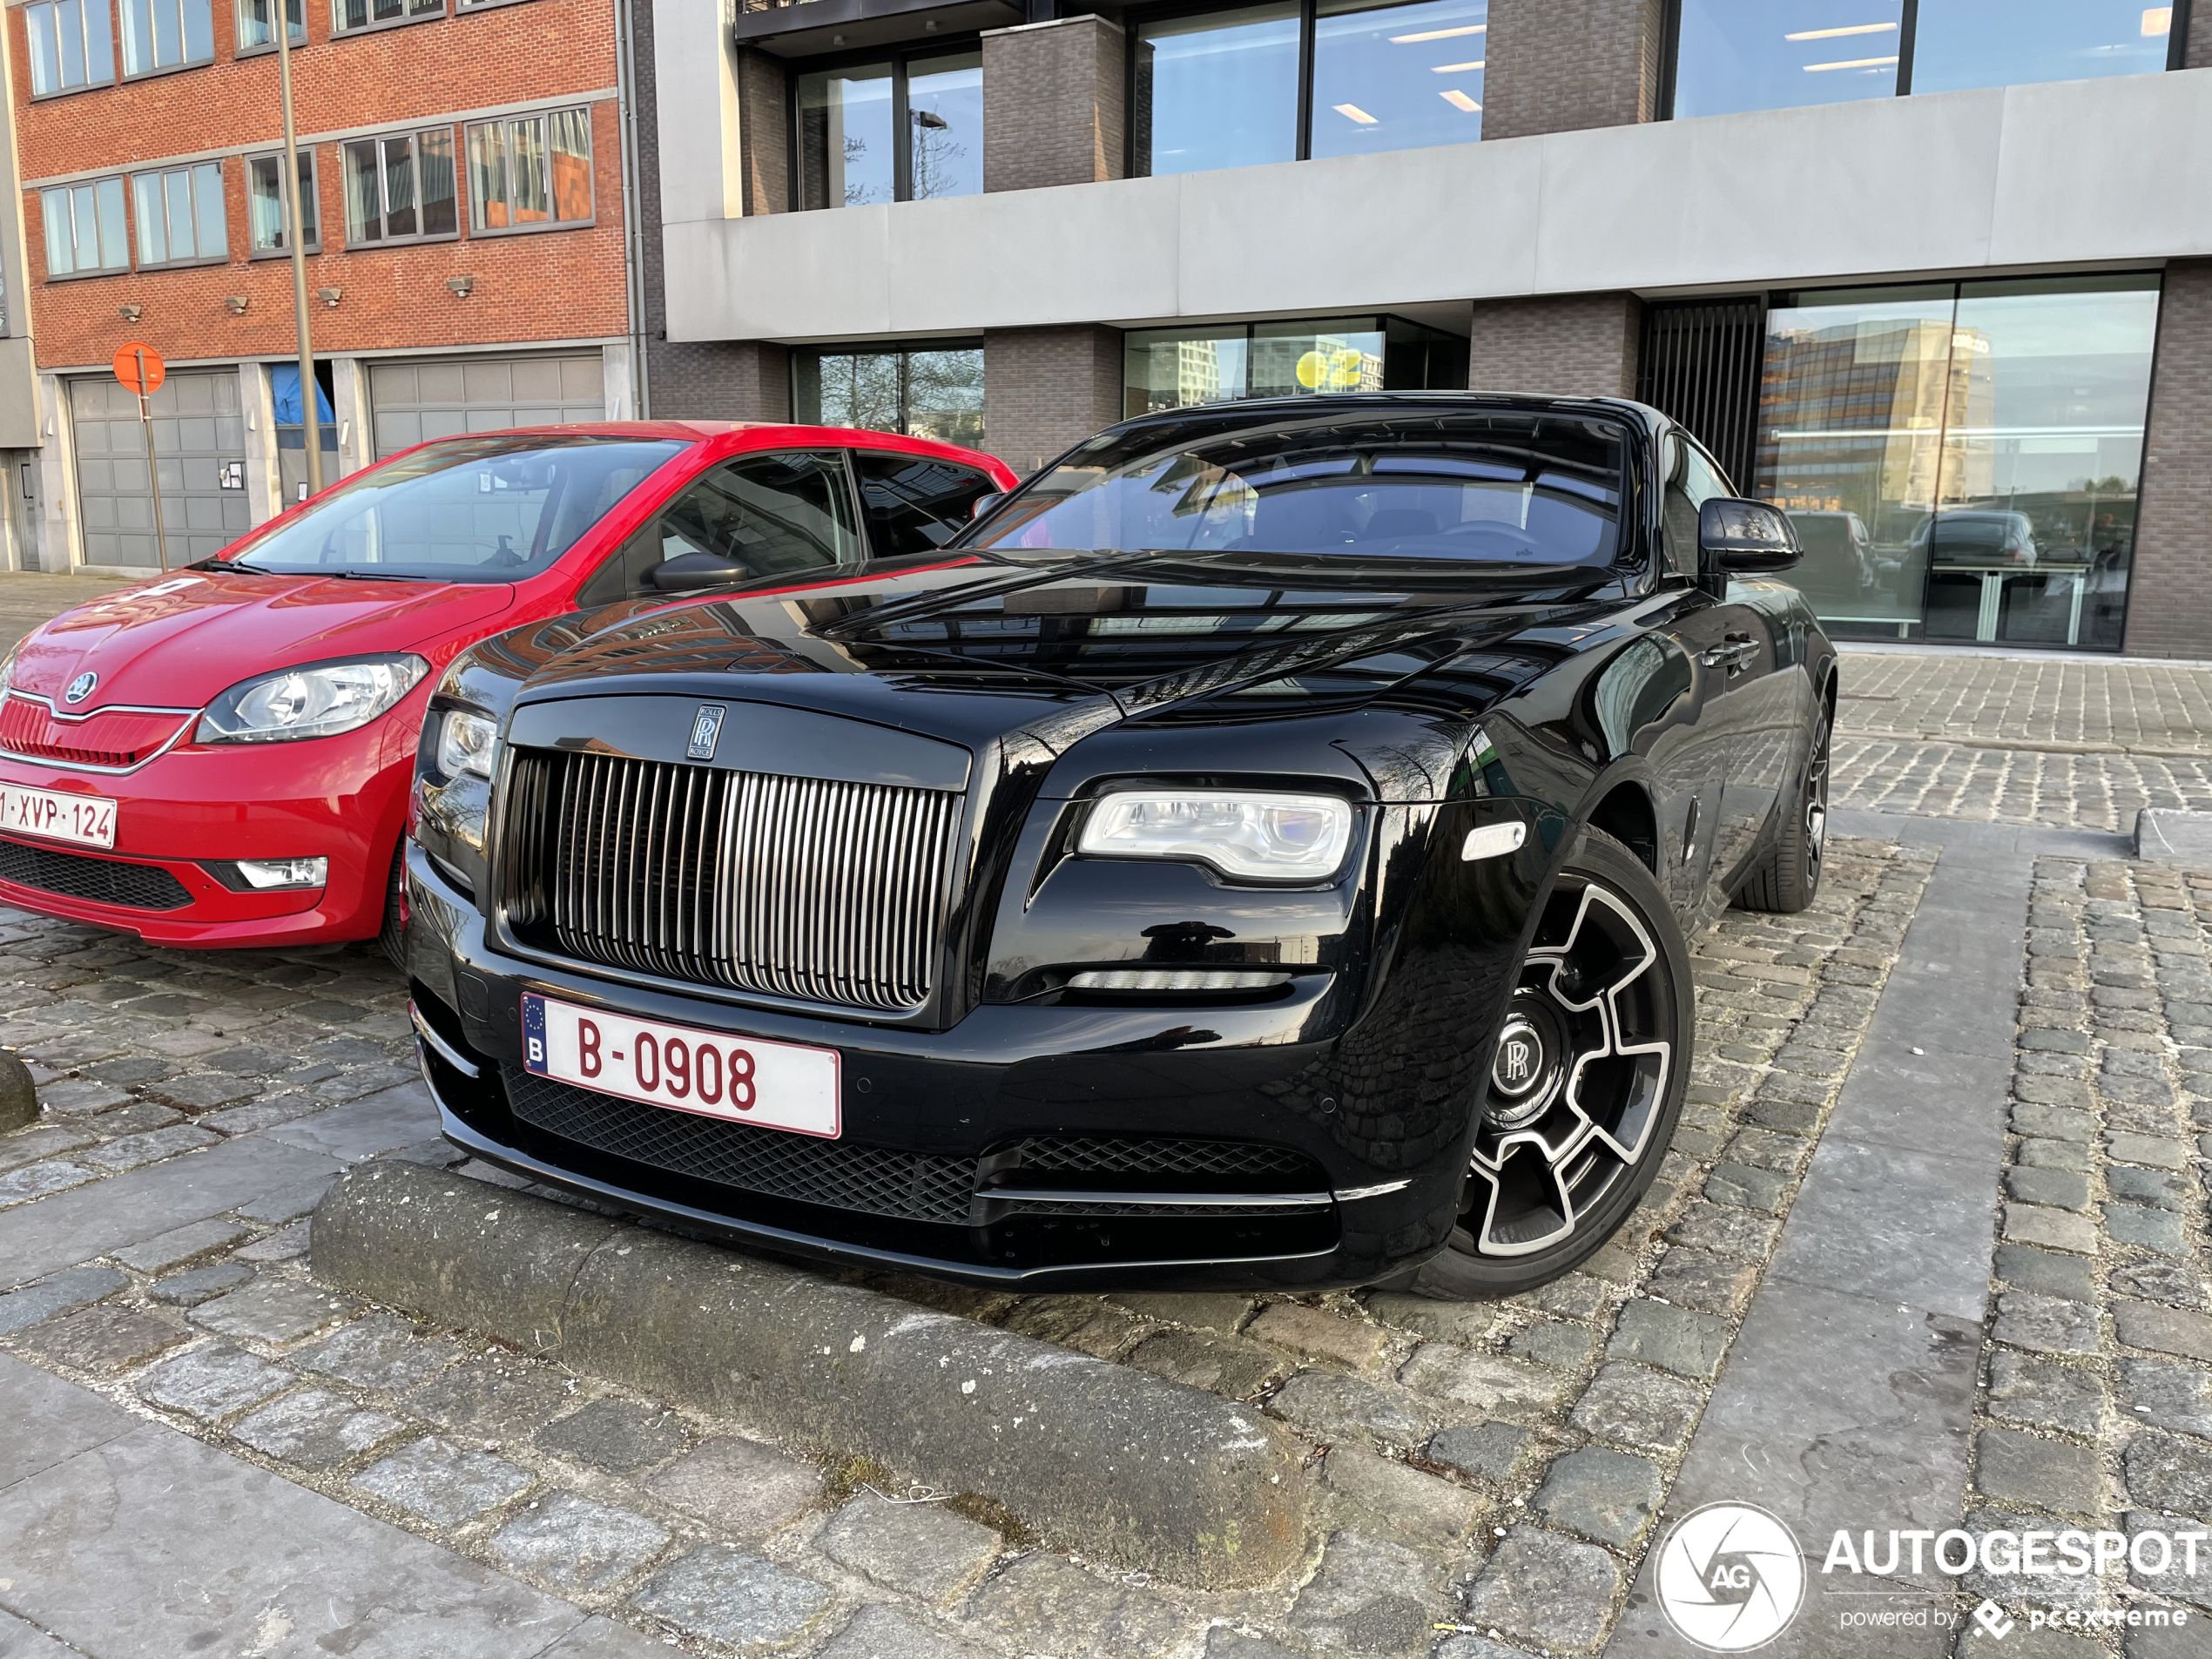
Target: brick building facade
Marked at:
467, 264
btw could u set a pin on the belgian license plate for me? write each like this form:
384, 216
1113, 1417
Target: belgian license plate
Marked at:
89, 820
740, 1080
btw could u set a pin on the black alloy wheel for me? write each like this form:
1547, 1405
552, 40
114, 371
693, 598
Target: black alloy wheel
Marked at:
1787, 878
1586, 1081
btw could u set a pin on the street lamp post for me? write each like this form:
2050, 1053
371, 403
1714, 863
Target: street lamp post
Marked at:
309, 426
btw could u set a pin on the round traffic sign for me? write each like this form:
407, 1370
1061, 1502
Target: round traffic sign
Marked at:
127, 363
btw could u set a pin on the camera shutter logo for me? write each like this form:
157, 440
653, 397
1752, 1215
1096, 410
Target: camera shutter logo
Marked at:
81, 687
1729, 1578
706, 731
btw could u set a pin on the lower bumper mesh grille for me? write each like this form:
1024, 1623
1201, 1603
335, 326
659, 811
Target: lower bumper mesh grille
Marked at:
912, 1186
874, 1180
135, 887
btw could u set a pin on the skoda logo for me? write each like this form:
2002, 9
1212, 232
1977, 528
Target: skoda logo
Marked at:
81, 687
1730, 1578
706, 731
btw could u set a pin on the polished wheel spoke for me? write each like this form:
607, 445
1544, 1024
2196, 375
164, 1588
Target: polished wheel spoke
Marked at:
1579, 1076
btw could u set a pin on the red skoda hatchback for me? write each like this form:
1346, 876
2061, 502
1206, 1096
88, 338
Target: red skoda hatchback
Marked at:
223, 757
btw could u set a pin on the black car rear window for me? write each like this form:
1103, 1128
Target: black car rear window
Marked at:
1460, 487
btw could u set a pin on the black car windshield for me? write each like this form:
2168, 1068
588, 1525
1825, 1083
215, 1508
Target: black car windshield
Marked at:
1458, 487
493, 508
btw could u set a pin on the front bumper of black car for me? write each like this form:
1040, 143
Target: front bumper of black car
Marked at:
1033, 1146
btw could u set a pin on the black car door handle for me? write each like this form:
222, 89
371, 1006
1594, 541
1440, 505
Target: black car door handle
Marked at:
1732, 655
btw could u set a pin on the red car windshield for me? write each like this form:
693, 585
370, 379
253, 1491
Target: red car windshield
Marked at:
493, 508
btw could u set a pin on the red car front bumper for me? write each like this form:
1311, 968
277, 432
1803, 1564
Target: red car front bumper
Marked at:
343, 799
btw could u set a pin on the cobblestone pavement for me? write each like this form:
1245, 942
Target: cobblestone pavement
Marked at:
2120, 702
2094, 1407
2026, 786
1489, 1467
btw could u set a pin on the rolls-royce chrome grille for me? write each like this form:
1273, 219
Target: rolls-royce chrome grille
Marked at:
787, 886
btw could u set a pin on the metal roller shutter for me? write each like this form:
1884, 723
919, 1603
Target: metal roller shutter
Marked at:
440, 397
197, 431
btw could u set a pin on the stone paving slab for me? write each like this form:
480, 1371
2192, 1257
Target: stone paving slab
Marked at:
1961, 696
268, 1562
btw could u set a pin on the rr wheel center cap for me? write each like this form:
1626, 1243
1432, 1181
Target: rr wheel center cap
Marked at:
1524, 1069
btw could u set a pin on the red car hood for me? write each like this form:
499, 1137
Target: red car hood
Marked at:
178, 641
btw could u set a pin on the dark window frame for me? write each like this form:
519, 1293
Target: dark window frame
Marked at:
339, 31
452, 130
1308, 41
858, 453
222, 194
310, 245
238, 52
898, 56
463, 193
2177, 48
125, 76
114, 53
894, 348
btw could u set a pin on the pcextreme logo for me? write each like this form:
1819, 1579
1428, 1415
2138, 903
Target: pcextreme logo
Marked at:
1730, 1578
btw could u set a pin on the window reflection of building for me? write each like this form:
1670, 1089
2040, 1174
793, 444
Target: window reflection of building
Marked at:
1168, 368
1963, 459
929, 393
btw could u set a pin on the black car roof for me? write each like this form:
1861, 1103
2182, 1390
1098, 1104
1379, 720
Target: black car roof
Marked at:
1259, 411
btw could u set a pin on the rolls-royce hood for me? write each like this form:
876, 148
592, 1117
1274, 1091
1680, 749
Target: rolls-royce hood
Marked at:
1034, 658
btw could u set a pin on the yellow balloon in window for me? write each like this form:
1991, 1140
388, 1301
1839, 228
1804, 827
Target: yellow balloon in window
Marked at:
1311, 367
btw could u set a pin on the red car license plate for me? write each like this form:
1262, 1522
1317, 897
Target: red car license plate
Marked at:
740, 1080
87, 819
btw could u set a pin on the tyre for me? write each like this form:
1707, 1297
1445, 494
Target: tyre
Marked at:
391, 938
1586, 1081
1787, 878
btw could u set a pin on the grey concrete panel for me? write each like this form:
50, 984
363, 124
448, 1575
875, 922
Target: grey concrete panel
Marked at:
229, 1559
379, 1123
48, 1420
85, 1221
1896, 1225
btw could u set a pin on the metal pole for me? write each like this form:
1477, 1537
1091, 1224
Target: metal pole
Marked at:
153, 468
309, 426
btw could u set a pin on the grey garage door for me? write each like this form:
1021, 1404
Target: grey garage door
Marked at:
438, 397
199, 442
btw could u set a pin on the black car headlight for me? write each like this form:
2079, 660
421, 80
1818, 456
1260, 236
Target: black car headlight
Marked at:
456, 761
1258, 835
315, 700
467, 742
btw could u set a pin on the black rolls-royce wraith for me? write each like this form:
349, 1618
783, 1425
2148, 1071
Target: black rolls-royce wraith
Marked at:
1257, 851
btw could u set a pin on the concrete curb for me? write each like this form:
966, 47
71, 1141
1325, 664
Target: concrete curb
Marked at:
1119, 1464
2168, 836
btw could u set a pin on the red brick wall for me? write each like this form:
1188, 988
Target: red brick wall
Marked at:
552, 285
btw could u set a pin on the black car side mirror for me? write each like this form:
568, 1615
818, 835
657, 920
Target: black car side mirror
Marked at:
1746, 536
984, 502
690, 572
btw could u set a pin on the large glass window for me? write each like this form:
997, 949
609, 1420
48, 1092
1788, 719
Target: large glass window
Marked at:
1962, 460
1217, 91
1397, 78
532, 173
1220, 89
1168, 368
165, 34
85, 228
925, 393
400, 188
264, 204
1737, 55
180, 215
907, 129
72, 44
